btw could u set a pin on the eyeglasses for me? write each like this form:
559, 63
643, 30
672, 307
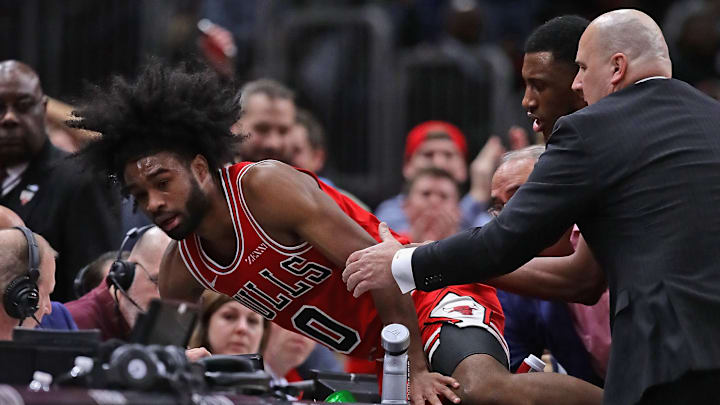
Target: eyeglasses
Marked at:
153, 279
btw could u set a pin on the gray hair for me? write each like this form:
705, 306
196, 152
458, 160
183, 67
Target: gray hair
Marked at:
530, 152
269, 87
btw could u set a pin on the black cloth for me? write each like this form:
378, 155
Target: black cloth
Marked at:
74, 210
457, 344
695, 387
639, 172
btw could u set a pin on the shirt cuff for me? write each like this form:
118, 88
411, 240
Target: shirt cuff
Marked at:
402, 269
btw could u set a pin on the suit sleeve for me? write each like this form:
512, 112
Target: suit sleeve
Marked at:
91, 226
557, 192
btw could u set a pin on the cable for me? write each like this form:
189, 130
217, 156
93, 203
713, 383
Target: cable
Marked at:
132, 233
124, 293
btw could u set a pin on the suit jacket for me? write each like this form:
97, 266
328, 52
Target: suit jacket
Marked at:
73, 210
639, 172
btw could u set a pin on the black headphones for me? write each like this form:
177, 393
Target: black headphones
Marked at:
122, 272
22, 295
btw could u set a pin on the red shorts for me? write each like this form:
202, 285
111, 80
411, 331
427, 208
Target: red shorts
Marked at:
461, 305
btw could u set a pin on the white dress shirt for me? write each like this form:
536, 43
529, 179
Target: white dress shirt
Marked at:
13, 178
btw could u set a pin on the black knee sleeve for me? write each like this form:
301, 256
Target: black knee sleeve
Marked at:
458, 343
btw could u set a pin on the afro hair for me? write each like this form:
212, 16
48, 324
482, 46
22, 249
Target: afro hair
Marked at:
166, 109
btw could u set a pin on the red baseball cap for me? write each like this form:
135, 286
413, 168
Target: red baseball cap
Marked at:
419, 134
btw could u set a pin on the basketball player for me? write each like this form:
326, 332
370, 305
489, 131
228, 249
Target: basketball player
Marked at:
272, 237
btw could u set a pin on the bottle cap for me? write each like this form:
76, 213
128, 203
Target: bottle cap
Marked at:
341, 396
535, 363
395, 338
84, 363
42, 377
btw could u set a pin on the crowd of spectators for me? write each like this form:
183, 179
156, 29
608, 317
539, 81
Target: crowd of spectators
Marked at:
78, 222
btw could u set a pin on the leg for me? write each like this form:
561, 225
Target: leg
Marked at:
485, 379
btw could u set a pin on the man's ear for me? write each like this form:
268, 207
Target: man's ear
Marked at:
319, 157
408, 170
200, 168
619, 64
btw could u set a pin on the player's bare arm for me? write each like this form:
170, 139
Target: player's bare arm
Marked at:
174, 281
270, 188
573, 278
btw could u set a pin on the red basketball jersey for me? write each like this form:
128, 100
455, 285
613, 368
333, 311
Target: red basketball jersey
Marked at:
294, 286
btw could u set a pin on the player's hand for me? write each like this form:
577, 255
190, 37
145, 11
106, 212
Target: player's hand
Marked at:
430, 387
370, 268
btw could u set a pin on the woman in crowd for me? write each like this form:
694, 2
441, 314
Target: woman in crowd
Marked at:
228, 327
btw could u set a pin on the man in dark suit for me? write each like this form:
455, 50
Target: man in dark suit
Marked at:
51, 194
639, 171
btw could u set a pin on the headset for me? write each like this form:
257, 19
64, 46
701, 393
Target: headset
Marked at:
122, 272
22, 295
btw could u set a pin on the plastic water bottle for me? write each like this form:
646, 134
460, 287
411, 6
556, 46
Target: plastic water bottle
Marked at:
531, 364
395, 340
41, 381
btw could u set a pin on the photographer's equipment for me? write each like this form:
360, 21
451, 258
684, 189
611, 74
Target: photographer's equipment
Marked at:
165, 323
242, 374
52, 351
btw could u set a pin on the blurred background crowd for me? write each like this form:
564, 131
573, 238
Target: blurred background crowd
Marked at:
369, 71
408, 105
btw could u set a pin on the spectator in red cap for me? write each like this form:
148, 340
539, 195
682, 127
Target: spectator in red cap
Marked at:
436, 144
442, 145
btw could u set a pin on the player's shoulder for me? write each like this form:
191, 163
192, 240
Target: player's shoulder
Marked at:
266, 170
272, 176
171, 257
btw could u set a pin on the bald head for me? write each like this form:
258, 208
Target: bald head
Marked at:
616, 50
14, 255
8, 218
150, 247
633, 33
14, 264
147, 255
12, 70
509, 176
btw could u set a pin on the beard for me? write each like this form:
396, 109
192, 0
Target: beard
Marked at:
196, 207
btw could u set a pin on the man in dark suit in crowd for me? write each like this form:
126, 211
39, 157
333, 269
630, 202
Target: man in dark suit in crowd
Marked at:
50, 193
639, 171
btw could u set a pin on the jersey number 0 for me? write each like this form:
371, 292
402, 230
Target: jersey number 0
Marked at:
321, 327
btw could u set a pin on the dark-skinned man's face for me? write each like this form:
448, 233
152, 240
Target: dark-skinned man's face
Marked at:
548, 93
22, 113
